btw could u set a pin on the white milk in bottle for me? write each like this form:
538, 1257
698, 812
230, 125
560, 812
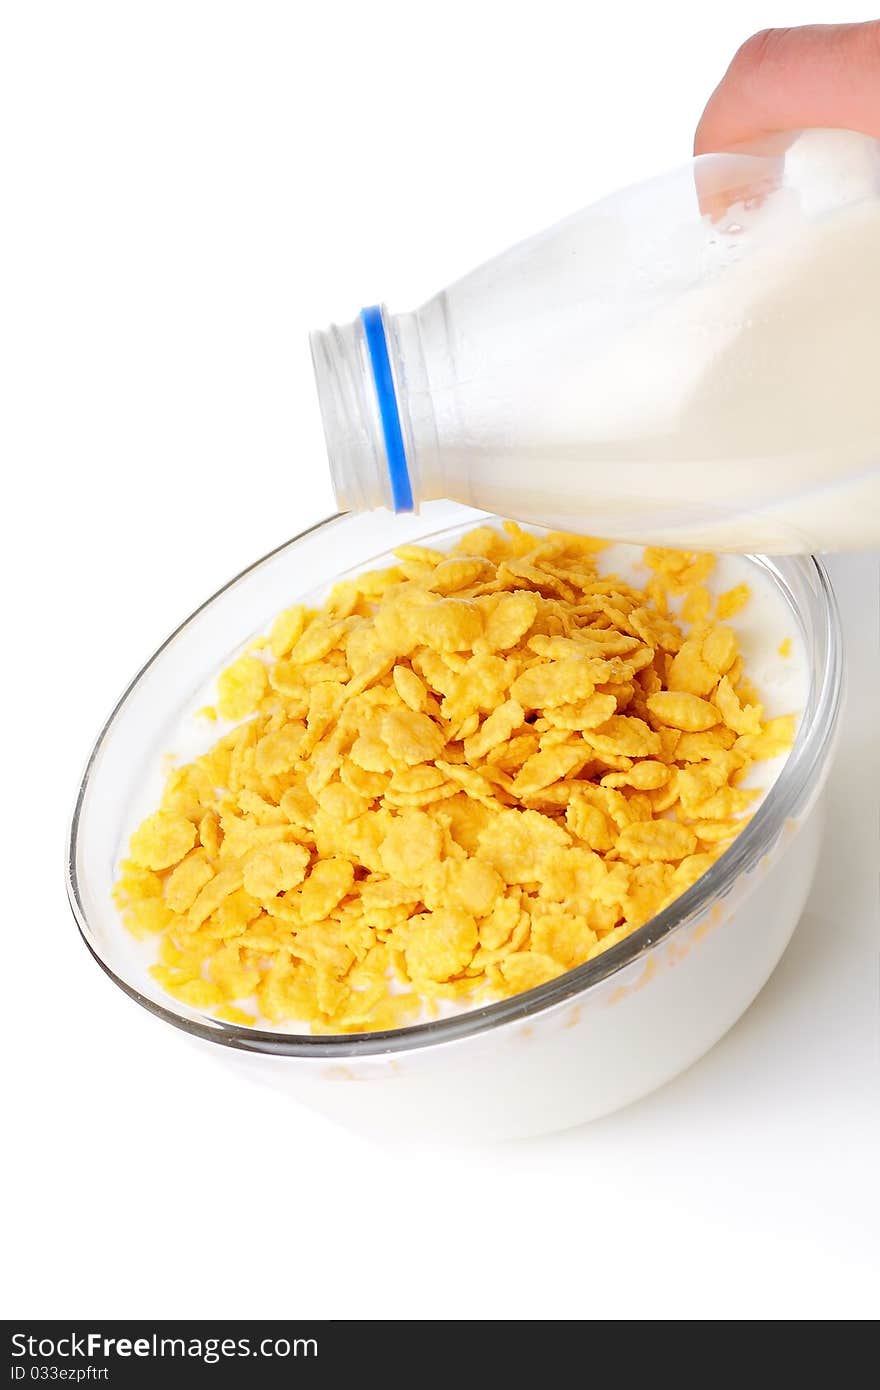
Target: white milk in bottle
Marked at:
694, 361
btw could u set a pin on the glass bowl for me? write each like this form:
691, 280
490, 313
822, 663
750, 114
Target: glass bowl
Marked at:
570, 1050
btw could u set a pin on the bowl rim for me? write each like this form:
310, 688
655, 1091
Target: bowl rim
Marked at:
810, 750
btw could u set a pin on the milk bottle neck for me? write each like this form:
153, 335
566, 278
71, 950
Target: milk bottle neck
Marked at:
369, 374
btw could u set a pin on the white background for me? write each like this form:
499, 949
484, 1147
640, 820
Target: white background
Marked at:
188, 188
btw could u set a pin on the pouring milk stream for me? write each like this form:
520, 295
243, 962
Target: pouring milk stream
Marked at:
693, 361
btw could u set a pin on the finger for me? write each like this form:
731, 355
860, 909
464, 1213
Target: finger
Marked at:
821, 75
724, 180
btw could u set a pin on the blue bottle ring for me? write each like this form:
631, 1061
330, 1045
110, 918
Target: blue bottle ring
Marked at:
377, 347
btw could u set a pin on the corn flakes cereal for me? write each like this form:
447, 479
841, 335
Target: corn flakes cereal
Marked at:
439, 944
643, 841
162, 840
411, 738
286, 630
274, 868
732, 601
684, 711
240, 687
466, 774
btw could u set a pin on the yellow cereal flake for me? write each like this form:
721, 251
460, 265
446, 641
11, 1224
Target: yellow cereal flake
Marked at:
644, 841
240, 687
719, 649
464, 775
451, 575
186, 881
162, 840
410, 687
551, 765
564, 937
470, 884
495, 730
732, 601
274, 869
439, 945
410, 737
743, 718
697, 605
772, 739
524, 970
287, 630
200, 994
230, 1014
510, 618
558, 682
683, 711
327, 884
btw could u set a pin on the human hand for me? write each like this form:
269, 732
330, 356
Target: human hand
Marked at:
782, 80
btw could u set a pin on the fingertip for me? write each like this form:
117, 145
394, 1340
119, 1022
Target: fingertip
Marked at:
788, 79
